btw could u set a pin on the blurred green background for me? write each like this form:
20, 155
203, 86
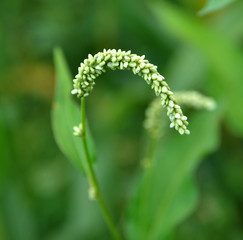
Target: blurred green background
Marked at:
42, 196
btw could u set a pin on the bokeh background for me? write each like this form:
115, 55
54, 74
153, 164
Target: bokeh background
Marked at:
42, 195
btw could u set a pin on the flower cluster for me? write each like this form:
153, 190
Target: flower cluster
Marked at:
78, 130
153, 116
195, 99
113, 59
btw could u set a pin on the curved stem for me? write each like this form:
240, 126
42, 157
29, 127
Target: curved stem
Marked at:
93, 180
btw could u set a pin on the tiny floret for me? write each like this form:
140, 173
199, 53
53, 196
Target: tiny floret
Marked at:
78, 130
74, 91
92, 193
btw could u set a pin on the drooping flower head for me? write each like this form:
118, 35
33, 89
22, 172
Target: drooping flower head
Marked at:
113, 59
153, 122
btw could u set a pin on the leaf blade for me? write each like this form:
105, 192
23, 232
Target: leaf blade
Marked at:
171, 176
66, 115
214, 5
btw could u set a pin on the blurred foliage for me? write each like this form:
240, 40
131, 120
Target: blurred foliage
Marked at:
42, 196
213, 5
168, 193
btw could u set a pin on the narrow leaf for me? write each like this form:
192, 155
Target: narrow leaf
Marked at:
214, 5
66, 115
167, 193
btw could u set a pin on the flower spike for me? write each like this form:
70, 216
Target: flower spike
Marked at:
95, 65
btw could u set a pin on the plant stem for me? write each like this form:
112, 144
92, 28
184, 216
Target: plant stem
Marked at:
147, 181
93, 180
151, 150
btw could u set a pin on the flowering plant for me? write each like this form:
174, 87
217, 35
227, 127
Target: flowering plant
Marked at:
76, 141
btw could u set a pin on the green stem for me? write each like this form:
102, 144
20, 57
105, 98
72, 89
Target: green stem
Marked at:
93, 180
147, 182
151, 150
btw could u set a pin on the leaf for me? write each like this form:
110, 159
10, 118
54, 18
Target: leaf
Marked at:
167, 194
231, 21
181, 206
66, 115
222, 56
214, 5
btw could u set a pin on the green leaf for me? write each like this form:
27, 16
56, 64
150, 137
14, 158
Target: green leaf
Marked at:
231, 21
66, 115
222, 55
167, 193
214, 5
